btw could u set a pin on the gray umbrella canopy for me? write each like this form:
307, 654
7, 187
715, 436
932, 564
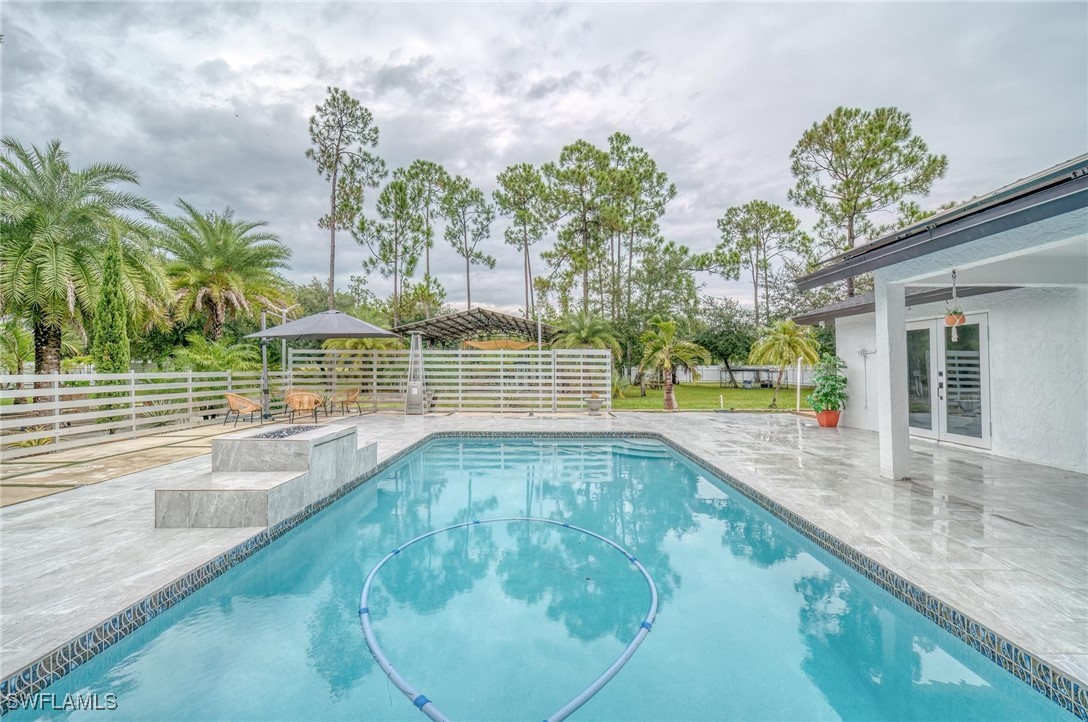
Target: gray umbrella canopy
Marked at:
324, 325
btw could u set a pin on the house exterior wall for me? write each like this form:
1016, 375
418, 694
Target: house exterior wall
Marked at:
854, 334
1038, 356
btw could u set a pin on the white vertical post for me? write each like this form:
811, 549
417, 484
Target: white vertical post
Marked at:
189, 393
798, 384
555, 383
374, 378
132, 400
608, 381
283, 341
892, 412
56, 408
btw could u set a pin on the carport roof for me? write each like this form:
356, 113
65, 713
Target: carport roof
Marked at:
475, 323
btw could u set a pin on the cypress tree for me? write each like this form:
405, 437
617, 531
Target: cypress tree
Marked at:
110, 349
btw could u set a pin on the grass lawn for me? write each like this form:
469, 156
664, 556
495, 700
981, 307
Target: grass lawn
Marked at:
704, 396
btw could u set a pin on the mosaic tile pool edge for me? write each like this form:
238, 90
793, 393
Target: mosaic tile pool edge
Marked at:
1070, 694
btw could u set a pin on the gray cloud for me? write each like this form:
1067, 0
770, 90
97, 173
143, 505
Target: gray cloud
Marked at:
212, 106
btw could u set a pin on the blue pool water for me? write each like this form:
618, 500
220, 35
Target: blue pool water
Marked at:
508, 621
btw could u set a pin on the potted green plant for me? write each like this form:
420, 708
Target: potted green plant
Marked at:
954, 316
828, 397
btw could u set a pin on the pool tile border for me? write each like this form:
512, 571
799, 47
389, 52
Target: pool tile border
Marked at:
1070, 694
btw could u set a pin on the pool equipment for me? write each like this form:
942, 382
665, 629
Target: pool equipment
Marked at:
428, 707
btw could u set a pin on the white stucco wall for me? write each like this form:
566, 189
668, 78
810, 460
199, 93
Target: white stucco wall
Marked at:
1038, 355
854, 334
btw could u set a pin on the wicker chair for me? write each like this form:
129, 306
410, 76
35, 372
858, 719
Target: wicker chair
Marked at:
345, 398
239, 405
303, 402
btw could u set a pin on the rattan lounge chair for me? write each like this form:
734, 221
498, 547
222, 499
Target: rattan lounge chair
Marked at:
345, 398
239, 405
303, 402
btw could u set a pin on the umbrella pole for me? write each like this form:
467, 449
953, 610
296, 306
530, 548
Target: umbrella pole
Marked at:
265, 402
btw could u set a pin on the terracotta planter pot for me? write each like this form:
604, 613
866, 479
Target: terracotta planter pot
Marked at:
955, 319
828, 419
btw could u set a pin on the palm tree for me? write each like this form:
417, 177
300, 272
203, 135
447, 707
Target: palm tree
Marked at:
54, 226
220, 267
781, 345
364, 344
585, 330
662, 350
16, 346
201, 354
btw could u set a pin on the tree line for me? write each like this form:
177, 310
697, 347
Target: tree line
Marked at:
196, 277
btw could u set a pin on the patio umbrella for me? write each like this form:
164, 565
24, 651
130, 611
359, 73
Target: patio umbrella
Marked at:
325, 325
316, 327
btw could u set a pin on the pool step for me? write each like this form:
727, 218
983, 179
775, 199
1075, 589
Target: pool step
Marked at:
259, 482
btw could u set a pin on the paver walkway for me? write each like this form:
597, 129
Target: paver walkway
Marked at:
1004, 541
31, 477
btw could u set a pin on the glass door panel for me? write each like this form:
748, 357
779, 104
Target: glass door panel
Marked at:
947, 381
964, 412
919, 373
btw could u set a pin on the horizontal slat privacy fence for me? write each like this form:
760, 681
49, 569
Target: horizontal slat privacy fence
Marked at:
84, 409
468, 380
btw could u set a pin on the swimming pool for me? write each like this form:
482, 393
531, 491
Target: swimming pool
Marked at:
509, 620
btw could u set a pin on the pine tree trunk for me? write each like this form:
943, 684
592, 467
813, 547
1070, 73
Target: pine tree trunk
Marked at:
468, 282
396, 294
525, 263
755, 292
332, 243
849, 245
766, 289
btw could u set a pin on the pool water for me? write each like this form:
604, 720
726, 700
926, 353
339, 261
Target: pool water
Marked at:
508, 621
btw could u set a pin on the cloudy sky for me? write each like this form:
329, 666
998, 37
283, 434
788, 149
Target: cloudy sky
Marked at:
209, 101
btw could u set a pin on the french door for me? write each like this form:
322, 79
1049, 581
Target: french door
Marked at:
948, 385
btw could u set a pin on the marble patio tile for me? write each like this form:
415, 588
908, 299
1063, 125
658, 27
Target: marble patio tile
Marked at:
1073, 664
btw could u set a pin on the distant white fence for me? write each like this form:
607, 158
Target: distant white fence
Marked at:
754, 375
468, 380
82, 409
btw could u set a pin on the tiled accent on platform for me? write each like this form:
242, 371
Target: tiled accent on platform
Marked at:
1024, 665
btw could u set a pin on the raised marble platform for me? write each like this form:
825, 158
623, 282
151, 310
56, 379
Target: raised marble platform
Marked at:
259, 479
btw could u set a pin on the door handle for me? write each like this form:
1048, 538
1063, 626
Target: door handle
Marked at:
940, 390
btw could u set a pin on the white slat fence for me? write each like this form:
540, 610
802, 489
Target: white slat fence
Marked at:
84, 409
468, 380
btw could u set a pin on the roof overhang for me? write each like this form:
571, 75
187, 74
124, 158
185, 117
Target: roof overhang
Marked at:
1053, 192
475, 323
866, 302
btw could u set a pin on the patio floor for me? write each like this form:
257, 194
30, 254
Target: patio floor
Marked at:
1004, 541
